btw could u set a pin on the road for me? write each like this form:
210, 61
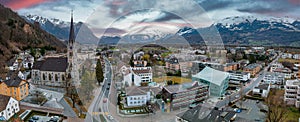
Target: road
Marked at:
94, 112
248, 87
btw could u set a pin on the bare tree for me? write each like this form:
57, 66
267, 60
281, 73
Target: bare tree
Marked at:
277, 111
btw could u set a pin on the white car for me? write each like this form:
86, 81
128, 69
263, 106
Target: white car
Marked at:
110, 117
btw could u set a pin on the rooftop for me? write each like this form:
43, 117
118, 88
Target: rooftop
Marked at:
141, 70
293, 82
182, 87
263, 86
204, 114
14, 81
142, 90
252, 66
3, 101
238, 72
56, 64
212, 75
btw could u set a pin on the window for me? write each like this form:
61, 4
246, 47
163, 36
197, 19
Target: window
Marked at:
56, 77
50, 77
44, 76
63, 77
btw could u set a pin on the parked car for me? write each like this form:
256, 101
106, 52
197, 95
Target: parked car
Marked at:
110, 117
35, 118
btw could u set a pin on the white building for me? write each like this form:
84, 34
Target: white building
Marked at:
286, 55
137, 75
274, 78
286, 71
262, 90
296, 56
8, 107
275, 66
292, 93
239, 76
135, 96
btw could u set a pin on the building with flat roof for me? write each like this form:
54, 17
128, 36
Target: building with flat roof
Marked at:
185, 94
215, 79
292, 92
274, 78
262, 90
239, 76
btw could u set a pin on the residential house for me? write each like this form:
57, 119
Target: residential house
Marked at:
8, 107
172, 64
262, 90
253, 69
137, 75
185, 94
215, 79
139, 96
239, 76
50, 72
292, 93
204, 114
231, 67
14, 87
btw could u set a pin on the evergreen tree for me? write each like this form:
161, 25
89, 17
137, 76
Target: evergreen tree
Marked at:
99, 72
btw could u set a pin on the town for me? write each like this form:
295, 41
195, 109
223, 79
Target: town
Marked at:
150, 62
119, 83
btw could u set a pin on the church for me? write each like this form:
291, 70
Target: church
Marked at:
53, 72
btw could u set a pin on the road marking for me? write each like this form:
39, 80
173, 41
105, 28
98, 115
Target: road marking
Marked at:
249, 110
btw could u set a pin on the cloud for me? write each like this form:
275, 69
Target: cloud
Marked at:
19, 4
278, 8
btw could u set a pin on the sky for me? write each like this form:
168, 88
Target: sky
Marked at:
136, 16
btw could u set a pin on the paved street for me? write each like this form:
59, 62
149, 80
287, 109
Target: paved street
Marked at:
254, 82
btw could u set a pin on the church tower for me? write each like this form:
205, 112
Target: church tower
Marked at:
71, 42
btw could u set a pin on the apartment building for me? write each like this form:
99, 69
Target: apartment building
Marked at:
292, 93
253, 69
288, 73
274, 78
137, 75
239, 76
185, 94
8, 107
14, 87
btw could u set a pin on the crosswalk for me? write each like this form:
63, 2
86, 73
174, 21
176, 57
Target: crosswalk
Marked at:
98, 113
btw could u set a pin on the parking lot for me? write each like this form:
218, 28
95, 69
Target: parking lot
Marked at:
252, 112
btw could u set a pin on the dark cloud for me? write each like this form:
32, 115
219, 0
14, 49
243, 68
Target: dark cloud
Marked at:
270, 7
216, 4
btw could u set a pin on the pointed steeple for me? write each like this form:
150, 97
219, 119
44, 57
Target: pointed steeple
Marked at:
72, 34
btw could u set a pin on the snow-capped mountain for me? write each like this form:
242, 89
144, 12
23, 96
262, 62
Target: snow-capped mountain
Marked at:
61, 29
251, 31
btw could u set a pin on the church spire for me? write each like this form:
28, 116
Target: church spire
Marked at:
72, 34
